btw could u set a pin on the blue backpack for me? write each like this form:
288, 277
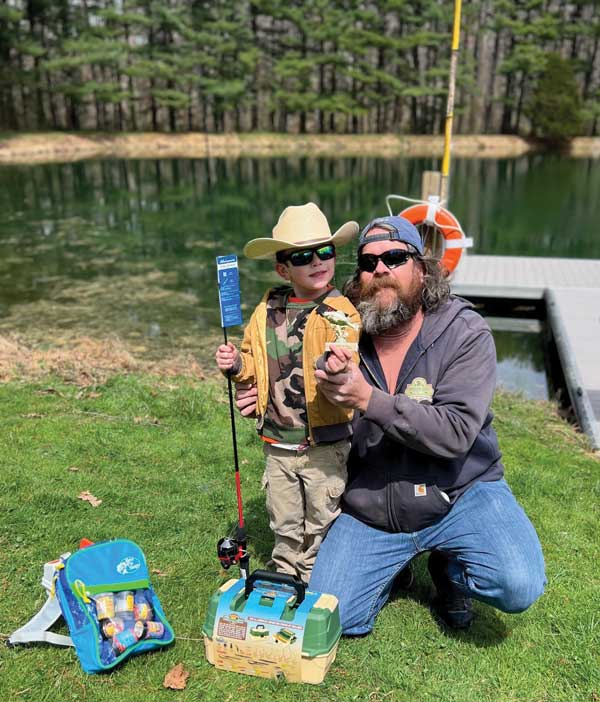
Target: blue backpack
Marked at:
104, 593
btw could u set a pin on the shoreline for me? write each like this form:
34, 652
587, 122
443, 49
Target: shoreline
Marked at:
61, 147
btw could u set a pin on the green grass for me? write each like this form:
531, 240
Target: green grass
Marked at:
159, 456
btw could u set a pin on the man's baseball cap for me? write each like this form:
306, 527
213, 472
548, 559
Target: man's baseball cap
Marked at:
397, 229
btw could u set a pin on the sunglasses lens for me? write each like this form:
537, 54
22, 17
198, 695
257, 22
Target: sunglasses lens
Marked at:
300, 258
395, 258
368, 262
303, 258
326, 252
391, 259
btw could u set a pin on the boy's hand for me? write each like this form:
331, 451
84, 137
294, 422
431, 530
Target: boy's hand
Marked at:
337, 360
245, 399
227, 356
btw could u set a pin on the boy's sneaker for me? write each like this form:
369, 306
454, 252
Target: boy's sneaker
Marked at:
451, 606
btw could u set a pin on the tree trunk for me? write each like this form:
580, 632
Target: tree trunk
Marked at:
321, 115
520, 103
589, 74
131, 85
507, 112
74, 122
487, 121
153, 108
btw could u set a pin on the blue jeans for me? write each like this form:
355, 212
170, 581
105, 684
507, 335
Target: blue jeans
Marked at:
495, 553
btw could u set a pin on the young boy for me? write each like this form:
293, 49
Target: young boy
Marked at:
306, 438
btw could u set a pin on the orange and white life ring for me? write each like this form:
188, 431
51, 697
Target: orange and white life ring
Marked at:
433, 215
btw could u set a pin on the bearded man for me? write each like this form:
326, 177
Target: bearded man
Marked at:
425, 471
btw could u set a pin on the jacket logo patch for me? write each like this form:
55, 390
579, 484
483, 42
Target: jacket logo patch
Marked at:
419, 390
420, 490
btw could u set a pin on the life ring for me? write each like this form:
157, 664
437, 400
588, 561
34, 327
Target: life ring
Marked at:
449, 227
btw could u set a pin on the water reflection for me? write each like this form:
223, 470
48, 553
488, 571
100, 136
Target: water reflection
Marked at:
521, 366
129, 246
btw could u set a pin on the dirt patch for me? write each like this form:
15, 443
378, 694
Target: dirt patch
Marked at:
86, 331
58, 147
86, 362
585, 147
142, 308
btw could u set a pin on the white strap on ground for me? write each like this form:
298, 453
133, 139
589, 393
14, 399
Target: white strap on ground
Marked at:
36, 628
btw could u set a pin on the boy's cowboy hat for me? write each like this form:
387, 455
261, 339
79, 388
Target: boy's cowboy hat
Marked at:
300, 227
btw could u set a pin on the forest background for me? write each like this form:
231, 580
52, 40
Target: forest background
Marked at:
527, 67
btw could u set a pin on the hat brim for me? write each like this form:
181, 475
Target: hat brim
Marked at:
265, 247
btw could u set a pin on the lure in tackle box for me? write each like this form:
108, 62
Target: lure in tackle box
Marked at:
103, 591
271, 626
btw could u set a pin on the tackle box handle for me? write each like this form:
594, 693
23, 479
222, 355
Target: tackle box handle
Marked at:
279, 579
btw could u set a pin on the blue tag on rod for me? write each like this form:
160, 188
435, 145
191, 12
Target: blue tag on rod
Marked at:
229, 290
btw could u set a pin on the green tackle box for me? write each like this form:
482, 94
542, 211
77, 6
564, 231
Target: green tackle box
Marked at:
271, 626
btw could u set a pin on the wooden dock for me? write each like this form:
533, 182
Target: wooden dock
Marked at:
571, 291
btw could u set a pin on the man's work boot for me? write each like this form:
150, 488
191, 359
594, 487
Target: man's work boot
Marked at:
403, 580
451, 606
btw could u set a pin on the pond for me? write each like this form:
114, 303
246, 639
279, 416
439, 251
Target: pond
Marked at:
127, 247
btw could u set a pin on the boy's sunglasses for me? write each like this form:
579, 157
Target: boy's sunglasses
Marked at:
392, 259
304, 257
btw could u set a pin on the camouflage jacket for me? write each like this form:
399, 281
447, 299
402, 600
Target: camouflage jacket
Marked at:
325, 420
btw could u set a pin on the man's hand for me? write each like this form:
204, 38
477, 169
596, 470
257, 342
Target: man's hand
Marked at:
337, 360
346, 388
245, 399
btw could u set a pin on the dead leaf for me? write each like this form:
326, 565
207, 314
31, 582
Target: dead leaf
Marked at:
87, 496
48, 391
94, 395
176, 678
146, 420
156, 571
73, 469
245, 461
32, 415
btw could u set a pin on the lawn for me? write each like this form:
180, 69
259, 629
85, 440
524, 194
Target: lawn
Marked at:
158, 454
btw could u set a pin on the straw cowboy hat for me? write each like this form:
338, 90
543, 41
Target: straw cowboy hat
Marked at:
300, 227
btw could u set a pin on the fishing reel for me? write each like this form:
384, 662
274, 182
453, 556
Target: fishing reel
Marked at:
229, 552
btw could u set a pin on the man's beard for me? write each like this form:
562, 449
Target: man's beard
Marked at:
378, 318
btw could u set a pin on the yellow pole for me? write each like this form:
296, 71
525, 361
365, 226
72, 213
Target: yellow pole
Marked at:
450, 103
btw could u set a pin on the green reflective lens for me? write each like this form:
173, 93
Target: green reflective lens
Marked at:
304, 257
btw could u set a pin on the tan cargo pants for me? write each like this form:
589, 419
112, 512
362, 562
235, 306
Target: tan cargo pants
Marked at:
303, 490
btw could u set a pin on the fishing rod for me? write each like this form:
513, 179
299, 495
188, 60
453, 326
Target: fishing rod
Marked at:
445, 174
232, 550
442, 234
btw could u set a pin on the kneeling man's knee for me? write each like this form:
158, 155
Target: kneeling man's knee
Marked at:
518, 591
355, 622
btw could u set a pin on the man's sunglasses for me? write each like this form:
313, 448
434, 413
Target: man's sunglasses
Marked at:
392, 259
304, 257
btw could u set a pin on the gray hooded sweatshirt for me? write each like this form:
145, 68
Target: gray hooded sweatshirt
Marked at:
433, 437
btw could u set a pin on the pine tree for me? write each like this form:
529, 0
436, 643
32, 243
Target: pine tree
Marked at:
555, 109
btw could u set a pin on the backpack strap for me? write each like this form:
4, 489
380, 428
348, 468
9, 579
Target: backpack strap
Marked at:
37, 627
